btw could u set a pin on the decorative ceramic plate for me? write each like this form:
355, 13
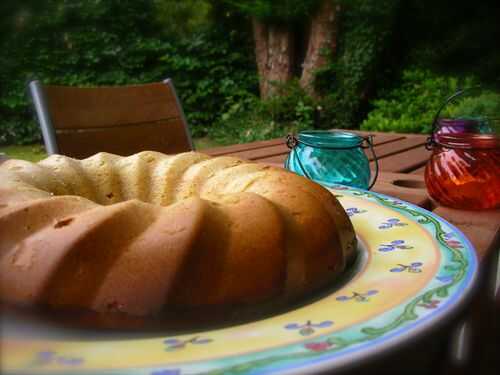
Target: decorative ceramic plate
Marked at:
414, 270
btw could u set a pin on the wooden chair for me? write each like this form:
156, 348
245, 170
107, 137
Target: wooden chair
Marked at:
80, 122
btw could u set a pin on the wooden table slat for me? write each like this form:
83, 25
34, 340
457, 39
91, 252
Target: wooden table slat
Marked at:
275, 146
385, 146
419, 171
279, 159
262, 153
405, 161
379, 136
393, 148
224, 150
397, 161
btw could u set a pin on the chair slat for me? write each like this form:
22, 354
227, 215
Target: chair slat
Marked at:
98, 107
165, 136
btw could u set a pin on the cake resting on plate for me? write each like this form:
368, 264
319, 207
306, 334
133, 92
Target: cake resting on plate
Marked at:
143, 233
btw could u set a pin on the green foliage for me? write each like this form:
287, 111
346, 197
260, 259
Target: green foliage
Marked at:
486, 104
411, 105
180, 18
18, 130
345, 83
73, 43
117, 42
277, 11
210, 75
252, 119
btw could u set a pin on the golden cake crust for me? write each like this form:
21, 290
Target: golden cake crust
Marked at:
141, 233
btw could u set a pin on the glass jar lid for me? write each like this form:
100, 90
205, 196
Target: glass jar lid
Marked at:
468, 140
332, 139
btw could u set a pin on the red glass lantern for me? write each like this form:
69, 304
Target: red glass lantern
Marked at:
464, 170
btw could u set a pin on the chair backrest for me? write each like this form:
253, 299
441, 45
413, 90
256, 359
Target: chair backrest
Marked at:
123, 120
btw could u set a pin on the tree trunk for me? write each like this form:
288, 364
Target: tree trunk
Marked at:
322, 41
274, 55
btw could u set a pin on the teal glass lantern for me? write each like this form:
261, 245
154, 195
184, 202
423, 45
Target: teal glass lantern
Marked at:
332, 157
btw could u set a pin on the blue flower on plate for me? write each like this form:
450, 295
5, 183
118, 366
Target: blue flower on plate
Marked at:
175, 371
45, 357
390, 223
445, 278
51, 357
351, 211
394, 245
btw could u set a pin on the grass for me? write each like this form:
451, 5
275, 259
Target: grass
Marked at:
202, 143
37, 152
30, 152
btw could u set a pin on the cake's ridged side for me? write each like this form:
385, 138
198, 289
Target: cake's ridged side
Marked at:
168, 172
227, 253
345, 230
100, 170
91, 244
73, 174
14, 190
35, 175
21, 220
234, 179
142, 278
311, 262
132, 171
313, 249
158, 173
193, 180
30, 252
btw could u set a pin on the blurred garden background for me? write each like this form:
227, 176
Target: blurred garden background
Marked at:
249, 70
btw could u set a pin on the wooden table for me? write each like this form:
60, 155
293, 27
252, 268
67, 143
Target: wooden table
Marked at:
471, 342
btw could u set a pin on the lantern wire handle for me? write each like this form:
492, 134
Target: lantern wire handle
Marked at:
291, 142
369, 140
430, 141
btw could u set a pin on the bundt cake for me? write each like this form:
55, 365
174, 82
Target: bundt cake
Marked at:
143, 233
